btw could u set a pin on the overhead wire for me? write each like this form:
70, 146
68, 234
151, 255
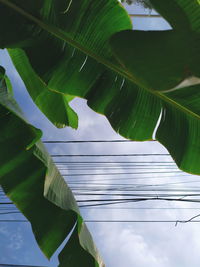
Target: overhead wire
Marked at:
109, 155
110, 168
117, 221
139, 174
141, 221
114, 162
110, 194
85, 141
14, 265
118, 179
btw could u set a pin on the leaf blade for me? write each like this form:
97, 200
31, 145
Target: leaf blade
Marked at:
31, 180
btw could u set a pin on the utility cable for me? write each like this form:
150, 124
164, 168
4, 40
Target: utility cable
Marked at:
108, 155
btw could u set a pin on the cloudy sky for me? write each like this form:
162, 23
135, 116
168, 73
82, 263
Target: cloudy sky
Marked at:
120, 244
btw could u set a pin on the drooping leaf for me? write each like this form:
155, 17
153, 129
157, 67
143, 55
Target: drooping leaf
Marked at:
63, 14
31, 180
86, 258
183, 15
164, 63
169, 58
77, 74
184, 134
82, 64
55, 106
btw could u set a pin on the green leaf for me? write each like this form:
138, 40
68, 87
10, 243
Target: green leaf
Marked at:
69, 70
183, 15
178, 129
31, 180
169, 58
126, 89
86, 259
57, 68
55, 106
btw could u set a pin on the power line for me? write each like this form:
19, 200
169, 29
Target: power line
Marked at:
112, 162
14, 221
144, 198
131, 208
144, 16
136, 194
112, 168
104, 184
108, 155
10, 212
84, 141
14, 265
141, 221
79, 191
120, 173
95, 181
141, 208
116, 221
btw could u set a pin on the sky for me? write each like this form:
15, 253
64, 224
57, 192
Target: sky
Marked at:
120, 244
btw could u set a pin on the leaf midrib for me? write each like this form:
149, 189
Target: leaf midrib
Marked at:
63, 36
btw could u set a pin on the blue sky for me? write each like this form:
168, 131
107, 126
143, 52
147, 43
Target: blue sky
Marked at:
121, 245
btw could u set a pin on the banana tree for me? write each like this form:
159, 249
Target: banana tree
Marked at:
137, 79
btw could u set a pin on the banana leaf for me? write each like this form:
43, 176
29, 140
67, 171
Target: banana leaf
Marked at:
132, 90
33, 183
163, 67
